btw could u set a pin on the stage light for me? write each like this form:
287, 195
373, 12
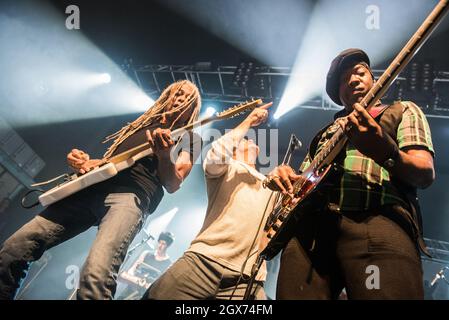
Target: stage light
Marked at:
83, 80
440, 103
243, 74
138, 100
203, 66
327, 36
104, 78
414, 77
428, 76
277, 115
160, 224
62, 74
243, 25
316, 30
210, 111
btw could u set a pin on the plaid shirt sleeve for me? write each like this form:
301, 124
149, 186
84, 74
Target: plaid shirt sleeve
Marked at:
414, 129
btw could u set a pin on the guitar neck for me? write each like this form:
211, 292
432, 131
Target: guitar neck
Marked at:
406, 54
145, 146
175, 134
338, 140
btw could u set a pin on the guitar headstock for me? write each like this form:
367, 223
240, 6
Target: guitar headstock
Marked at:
238, 109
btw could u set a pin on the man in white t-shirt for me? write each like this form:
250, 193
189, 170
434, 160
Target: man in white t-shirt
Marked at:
218, 263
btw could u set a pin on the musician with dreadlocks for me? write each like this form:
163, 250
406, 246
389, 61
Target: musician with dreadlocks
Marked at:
119, 205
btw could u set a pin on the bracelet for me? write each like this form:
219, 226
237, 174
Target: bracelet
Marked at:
269, 179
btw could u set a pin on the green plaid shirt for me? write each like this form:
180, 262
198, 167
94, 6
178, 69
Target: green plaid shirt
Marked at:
365, 184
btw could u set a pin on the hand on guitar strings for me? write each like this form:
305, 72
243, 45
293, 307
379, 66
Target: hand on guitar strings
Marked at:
282, 179
80, 161
160, 141
366, 134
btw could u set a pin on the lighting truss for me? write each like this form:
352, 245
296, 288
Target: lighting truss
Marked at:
215, 85
221, 77
19, 164
439, 250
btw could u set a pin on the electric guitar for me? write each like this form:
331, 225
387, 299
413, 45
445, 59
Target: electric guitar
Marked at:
110, 167
279, 226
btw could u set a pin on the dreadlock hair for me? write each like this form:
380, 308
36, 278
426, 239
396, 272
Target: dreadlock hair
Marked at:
158, 109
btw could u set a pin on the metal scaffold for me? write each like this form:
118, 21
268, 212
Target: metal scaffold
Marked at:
221, 84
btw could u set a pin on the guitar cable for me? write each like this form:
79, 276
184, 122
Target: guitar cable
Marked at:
22, 202
38, 184
249, 255
294, 144
66, 176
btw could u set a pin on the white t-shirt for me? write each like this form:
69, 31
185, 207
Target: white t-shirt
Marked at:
238, 207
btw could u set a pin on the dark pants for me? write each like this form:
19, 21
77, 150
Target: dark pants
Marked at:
196, 277
120, 216
368, 253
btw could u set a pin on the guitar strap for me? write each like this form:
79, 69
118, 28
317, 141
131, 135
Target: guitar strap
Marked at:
376, 111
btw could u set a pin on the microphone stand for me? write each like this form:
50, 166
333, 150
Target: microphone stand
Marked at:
439, 275
131, 251
294, 144
431, 287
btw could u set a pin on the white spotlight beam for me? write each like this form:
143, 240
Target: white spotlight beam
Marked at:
210, 111
103, 78
265, 29
338, 25
50, 74
160, 224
